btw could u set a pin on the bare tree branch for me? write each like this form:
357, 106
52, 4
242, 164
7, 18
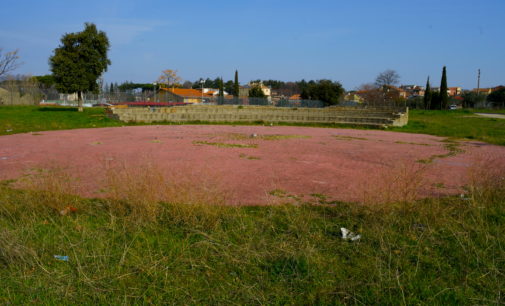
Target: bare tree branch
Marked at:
388, 77
8, 62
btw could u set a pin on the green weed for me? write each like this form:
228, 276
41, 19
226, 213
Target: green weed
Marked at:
344, 137
453, 148
242, 155
225, 145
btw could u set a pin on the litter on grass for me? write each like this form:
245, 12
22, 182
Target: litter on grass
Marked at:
67, 210
348, 235
61, 257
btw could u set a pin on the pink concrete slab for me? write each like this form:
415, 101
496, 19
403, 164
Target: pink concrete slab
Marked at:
342, 164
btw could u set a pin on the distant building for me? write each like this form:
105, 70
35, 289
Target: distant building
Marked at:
69, 97
353, 96
451, 91
394, 92
454, 91
212, 91
485, 91
413, 90
186, 95
243, 91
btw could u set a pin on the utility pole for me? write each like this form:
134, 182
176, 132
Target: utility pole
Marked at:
478, 81
202, 82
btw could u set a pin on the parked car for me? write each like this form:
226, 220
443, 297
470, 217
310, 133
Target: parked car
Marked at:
102, 104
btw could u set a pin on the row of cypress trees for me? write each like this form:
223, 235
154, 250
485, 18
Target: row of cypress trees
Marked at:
437, 100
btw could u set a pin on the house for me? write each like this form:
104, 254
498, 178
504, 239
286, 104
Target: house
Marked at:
485, 91
212, 91
413, 90
395, 92
353, 96
454, 91
186, 95
244, 90
451, 91
69, 97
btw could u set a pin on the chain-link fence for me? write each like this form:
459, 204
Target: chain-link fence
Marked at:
25, 92
119, 97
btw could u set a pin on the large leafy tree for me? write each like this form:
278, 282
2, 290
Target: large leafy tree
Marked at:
80, 60
228, 86
497, 97
472, 98
444, 97
326, 91
256, 92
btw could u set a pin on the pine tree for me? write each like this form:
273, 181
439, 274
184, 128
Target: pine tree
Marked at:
444, 98
427, 95
236, 85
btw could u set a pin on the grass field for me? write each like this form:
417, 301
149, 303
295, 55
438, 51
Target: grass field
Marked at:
129, 249
188, 249
22, 119
458, 124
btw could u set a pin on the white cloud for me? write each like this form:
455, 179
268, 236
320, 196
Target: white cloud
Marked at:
30, 38
123, 32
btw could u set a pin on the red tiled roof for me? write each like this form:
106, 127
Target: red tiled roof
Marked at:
186, 92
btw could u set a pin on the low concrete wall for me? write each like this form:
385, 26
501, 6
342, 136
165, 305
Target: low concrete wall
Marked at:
235, 113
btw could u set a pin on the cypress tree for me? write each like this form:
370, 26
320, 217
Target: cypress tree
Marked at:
235, 85
221, 88
427, 95
220, 94
444, 98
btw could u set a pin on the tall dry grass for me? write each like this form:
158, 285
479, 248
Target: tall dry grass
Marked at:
404, 182
13, 250
486, 179
144, 190
52, 186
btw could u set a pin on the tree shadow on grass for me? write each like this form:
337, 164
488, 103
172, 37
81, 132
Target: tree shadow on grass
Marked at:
58, 109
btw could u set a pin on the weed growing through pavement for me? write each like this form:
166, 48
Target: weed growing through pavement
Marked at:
412, 143
344, 137
452, 146
268, 137
242, 155
225, 145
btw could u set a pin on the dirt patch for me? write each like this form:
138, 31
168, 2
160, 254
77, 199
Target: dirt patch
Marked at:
496, 116
300, 161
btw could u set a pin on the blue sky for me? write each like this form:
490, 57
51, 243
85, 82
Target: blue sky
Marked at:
347, 41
